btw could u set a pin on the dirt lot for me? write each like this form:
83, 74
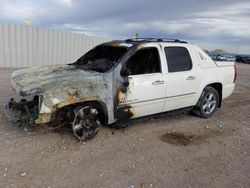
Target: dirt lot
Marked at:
169, 151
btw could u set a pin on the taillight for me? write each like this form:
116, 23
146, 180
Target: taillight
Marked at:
235, 73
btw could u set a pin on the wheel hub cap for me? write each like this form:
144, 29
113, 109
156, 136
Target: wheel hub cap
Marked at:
209, 103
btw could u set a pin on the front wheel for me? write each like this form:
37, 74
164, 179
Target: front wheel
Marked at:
86, 123
208, 103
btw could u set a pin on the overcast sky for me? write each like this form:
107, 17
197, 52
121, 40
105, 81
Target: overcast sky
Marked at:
212, 24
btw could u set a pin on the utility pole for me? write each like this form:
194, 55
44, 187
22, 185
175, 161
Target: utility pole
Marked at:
136, 36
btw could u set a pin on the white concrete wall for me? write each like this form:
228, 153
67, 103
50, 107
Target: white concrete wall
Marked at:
26, 46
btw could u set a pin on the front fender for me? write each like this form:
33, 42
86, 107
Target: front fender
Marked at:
49, 107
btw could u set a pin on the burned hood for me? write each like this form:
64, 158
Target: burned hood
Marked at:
37, 80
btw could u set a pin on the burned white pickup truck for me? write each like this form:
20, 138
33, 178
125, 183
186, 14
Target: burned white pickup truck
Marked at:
118, 81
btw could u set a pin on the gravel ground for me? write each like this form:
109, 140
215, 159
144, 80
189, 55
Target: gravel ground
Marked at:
169, 151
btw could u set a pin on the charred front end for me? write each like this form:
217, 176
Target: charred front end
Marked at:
22, 112
46, 90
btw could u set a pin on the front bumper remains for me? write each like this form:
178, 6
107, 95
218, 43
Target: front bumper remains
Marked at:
23, 112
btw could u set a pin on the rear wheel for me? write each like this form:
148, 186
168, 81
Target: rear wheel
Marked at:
208, 103
86, 122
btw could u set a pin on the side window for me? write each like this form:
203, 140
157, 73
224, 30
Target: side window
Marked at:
178, 59
145, 61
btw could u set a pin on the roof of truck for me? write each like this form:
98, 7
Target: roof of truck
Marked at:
143, 40
137, 41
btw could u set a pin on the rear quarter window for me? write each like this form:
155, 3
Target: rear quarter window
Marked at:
178, 59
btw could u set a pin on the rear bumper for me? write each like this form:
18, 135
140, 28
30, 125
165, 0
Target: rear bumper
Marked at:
227, 90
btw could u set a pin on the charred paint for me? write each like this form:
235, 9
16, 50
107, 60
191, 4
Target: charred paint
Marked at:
123, 112
60, 85
58, 88
43, 118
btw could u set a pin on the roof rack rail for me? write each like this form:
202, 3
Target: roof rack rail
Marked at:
154, 40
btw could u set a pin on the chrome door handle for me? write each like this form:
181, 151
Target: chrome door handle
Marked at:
191, 78
157, 82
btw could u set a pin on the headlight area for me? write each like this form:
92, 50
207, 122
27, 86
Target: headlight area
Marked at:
24, 112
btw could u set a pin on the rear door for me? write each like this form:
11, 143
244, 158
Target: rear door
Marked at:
182, 77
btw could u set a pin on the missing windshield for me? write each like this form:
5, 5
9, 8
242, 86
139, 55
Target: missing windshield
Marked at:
101, 59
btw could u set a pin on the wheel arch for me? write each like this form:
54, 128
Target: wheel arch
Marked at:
99, 105
218, 87
215, 85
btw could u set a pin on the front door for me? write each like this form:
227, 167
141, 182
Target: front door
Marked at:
147, 88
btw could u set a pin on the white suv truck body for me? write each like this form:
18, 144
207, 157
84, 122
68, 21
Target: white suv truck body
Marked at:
179, 89
122, 80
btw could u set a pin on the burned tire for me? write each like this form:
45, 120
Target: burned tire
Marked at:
86, 122
208, 103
